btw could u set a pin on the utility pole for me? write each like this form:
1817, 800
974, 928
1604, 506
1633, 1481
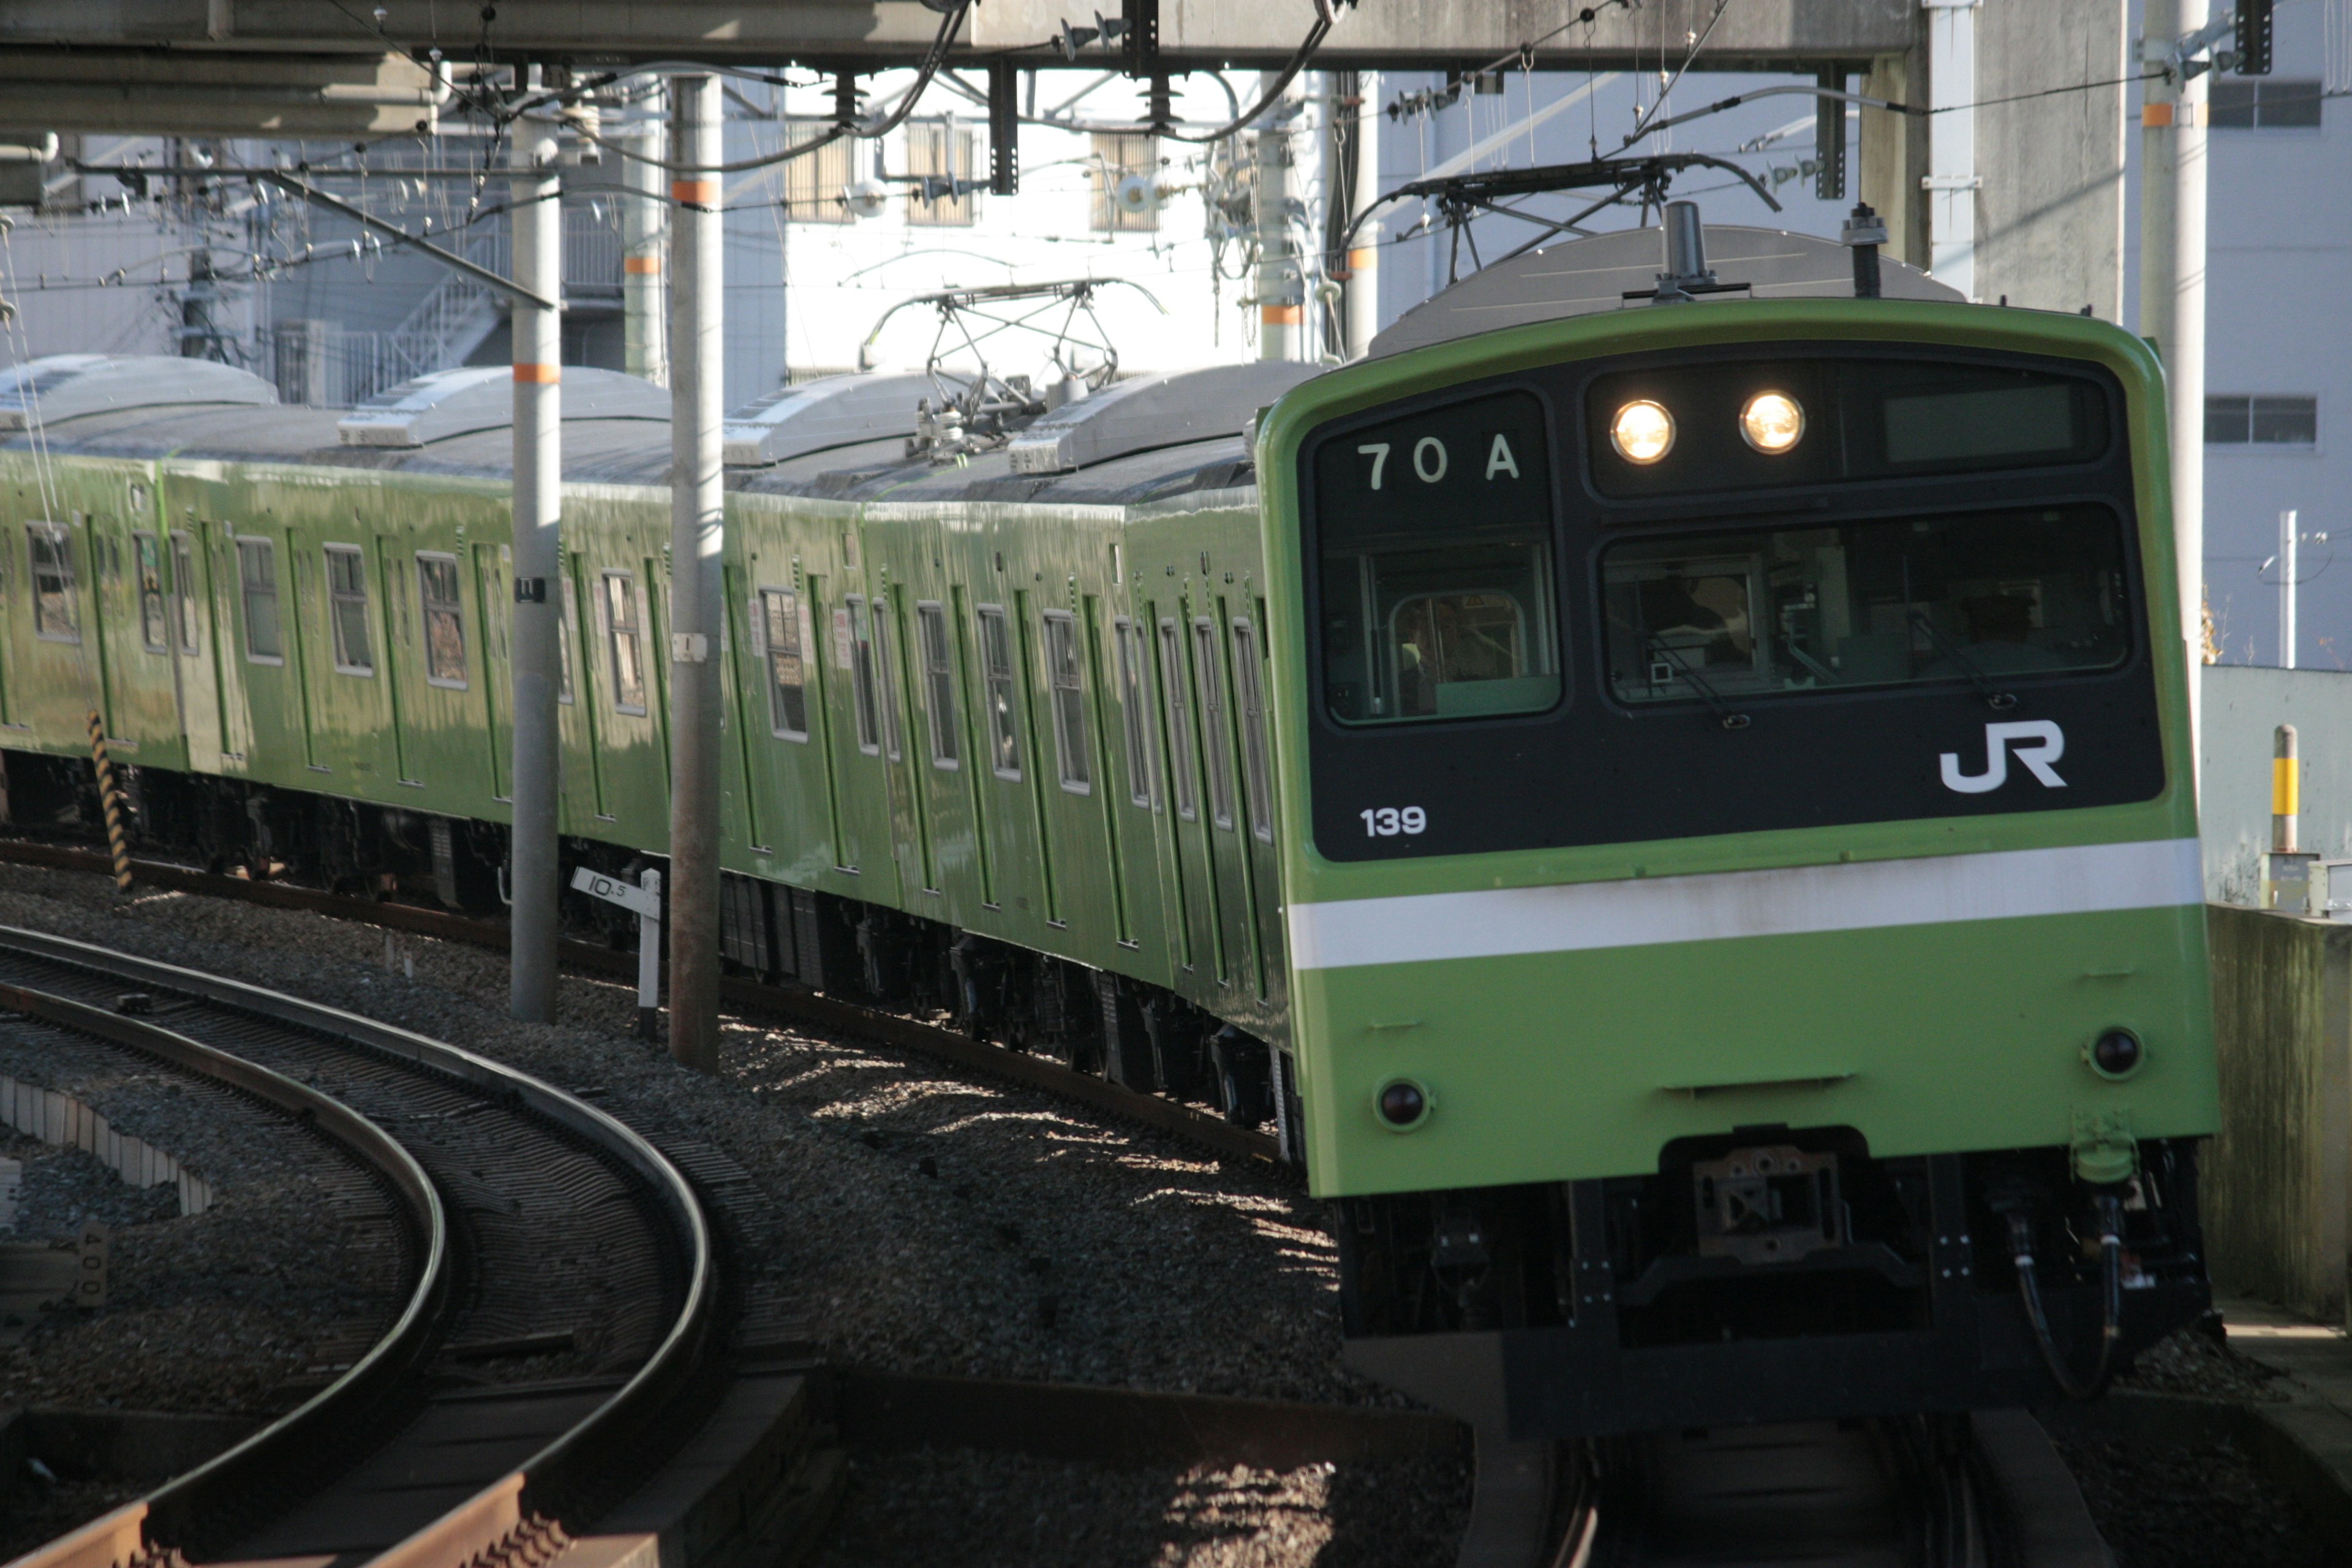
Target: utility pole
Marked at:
644, 238
696, 518
1281, 287
1364, 251
535, 644
2172, 277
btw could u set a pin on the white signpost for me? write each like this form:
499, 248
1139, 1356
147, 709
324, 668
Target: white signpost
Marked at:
644, 901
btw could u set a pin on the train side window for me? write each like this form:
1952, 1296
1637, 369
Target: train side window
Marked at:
1247, 676
445, 620
563, 637
861, 674
57, 605
257, 576
624, 630
778, 623
1208, 678
348, 609
938, 683
1436, 544
154, 619
996, 669
1141, 787
1180, 720
885, 693
1069, 700
183, 585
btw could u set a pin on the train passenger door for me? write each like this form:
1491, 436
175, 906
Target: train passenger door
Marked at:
1229, 874
1198, 951
192, 653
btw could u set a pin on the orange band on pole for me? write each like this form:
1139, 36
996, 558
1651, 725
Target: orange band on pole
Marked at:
1282, 315
695, 192
545, 375
1363, 258
2158, 115
640, 264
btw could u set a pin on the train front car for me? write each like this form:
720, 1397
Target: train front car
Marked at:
1747, 944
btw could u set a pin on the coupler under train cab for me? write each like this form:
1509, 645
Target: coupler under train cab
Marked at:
1775, 1275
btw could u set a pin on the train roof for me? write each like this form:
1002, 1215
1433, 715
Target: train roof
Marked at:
1124, 459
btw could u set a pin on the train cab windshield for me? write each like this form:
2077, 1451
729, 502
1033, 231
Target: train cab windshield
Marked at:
1437, 566
1979, 596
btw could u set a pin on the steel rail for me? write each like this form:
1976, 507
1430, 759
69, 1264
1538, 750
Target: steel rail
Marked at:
517, 1507
819, 1010
124, 1534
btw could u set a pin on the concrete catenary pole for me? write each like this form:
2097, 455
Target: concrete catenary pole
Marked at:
1364, 252
697, 499
1281, 284
2172, 279
534, 643
644, 235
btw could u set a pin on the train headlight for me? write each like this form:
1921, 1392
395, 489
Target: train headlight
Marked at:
1401, 1104
1642, 431
2115, 1054
1773, 422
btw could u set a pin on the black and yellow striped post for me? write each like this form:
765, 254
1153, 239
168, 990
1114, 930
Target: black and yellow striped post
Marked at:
118, 843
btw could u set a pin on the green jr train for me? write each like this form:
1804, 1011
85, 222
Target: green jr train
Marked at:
1679, 811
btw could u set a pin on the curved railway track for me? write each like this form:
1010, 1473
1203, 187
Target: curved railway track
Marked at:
562, 1331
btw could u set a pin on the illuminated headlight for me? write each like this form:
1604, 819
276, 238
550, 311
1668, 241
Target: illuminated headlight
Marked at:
1643, 432
1773, 422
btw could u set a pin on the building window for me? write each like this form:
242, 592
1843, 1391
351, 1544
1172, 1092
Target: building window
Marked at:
777, 628
256, 573
938, 683
2262, 421
625, 632
1219, 760
996, 670
183, 583
1069, 700
1117, 155
154, 617
2264, 104
57, 605
1180, 720
1128, 640
347, 609
939, 154
1248, 678
814, 182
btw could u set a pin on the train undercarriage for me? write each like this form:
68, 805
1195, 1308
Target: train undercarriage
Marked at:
1136, 1035
1775, 1274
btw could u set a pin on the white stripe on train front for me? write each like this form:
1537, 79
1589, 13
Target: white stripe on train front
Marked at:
1715, 906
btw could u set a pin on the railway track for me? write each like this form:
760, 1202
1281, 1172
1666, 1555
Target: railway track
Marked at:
563, 1334
824, 1011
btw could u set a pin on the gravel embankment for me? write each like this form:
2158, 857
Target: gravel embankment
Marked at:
211, 1312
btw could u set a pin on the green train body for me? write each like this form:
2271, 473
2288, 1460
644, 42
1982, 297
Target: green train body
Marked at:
1257, 871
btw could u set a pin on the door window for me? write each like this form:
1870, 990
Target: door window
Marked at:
938, 683
445, 620
780, 630
1210, 678
1180, 722
625, 639
154, 617
1128, 640
1069, 700
996, 666
1248, 678
257, 572
183, 583
56, 608
347, 608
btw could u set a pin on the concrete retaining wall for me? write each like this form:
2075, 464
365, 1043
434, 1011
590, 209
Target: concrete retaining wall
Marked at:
2278, 1178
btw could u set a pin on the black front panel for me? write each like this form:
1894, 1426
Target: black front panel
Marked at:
1860, 639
